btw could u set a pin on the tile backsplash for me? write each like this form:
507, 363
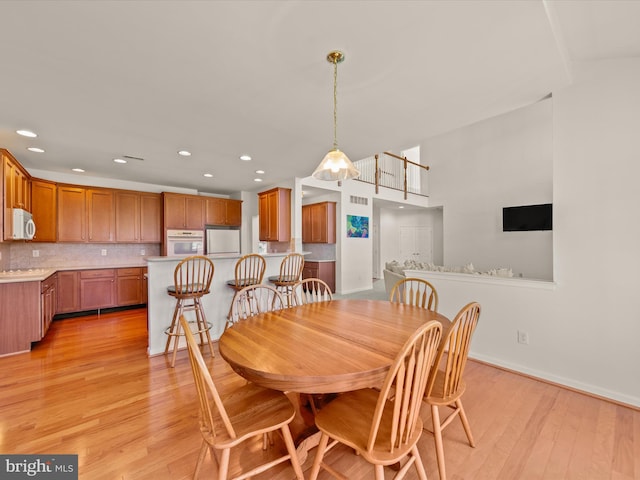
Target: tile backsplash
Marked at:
320, 251
57, 255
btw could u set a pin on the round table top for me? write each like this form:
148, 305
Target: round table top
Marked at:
325, 347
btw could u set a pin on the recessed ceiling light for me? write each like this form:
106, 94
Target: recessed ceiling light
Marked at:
78, 170
208, 175
401, 206
257, 179
26, 133
119, 160
245, 158
184, 153
259, 172
35, 149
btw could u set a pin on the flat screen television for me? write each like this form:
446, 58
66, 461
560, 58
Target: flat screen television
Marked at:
527, 217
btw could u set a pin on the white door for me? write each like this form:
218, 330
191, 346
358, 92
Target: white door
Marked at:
416, 243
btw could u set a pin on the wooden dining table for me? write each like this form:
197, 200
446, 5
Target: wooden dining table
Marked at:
325, 347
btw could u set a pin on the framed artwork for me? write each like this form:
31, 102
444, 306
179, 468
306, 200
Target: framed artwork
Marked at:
357, 226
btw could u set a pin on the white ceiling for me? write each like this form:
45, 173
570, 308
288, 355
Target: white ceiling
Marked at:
102, 79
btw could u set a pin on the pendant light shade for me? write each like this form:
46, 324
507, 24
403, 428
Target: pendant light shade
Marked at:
335, 165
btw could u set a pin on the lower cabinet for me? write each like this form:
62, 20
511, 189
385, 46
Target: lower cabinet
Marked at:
81, 290
68, 292
97, 289
325, 271
48, 302
129, 284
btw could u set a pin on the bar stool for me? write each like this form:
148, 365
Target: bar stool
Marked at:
249, 271
290, 273
192, 279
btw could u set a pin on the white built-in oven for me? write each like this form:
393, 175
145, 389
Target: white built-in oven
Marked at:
185, 242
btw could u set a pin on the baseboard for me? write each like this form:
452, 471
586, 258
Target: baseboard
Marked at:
567, 383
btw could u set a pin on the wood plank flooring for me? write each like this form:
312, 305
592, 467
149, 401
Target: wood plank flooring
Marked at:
89, 389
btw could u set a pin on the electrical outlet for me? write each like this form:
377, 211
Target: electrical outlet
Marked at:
523, 337
142, 251
35, 253
103, 252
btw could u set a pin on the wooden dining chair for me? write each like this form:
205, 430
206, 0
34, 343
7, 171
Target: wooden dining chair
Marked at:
249, 270
229, 418
191, 281
253, 300
415, 291
290, 273
312, 290
446, 386
384, 425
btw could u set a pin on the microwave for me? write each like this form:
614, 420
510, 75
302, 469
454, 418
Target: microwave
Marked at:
23, 226
185, 243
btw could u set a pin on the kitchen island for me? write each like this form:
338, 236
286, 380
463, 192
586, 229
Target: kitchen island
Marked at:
216, 304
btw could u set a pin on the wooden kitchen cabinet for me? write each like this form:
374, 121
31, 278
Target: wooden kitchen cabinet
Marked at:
129, 286
319, 223
183, 211
274, 211
150, 218
48, 302
44, 206
19, 316
137, 217
97, 289
101, 220
68, 292
223, 212
16, 189
325, 271
72, 214
85, 214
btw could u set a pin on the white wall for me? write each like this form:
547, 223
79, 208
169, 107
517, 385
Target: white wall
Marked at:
584, 330
476, 171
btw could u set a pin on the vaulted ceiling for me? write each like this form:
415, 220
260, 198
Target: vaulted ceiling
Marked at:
98, 80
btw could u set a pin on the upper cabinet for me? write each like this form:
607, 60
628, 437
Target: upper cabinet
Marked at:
319, 223
85, 215
72, 214
138, 217
274, 211
101, 219
44, 206
16, 187
183, 211
100, 215
223, 211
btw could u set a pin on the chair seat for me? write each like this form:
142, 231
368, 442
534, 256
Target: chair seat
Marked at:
194, 288
348, 419
252, 408
243, 282
290, 279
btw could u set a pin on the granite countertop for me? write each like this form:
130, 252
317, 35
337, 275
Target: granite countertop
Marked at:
40, 274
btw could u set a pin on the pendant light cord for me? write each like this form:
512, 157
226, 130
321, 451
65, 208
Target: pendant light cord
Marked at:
335, 104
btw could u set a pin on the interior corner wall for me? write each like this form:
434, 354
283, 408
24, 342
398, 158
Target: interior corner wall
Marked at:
479, 169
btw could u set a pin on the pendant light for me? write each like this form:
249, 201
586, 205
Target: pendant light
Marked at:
335, 165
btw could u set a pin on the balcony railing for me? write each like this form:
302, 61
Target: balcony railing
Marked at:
392, 171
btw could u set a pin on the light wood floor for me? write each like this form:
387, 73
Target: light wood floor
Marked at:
89, 389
